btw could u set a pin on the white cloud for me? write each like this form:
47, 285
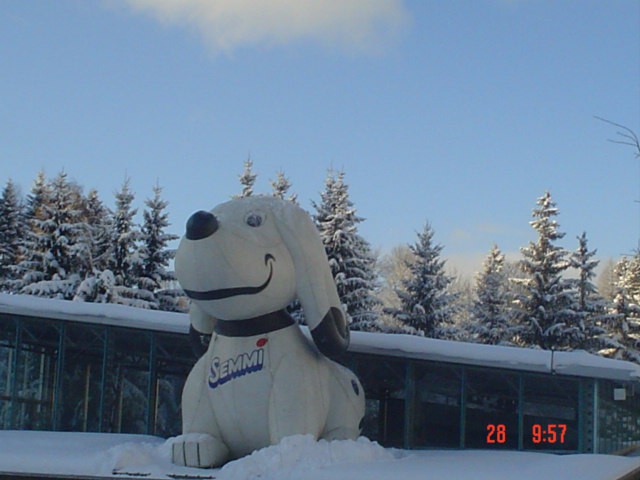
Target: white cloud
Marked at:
356, 25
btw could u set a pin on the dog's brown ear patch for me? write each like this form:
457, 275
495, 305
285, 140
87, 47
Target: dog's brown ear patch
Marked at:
331, 336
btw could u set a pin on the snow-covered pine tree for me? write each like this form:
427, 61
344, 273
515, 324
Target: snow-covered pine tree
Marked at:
427, 304
100, 223
281, 186
12, 232
30, 269
36, 197
621, 339
98, 284
463, 290
97, 287
154, 253
589, 306
125, 260
350, 258
492, 319
247, 179
545, 307
63, 239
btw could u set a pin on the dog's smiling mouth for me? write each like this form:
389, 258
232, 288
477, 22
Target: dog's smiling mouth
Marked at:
221, 293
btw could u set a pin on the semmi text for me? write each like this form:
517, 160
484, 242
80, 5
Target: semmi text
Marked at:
223, 371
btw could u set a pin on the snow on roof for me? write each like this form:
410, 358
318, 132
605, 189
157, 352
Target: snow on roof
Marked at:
577, 363
99, 313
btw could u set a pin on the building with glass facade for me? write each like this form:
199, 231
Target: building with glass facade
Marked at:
108, 368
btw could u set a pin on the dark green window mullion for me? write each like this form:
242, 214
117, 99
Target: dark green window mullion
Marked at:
463, 406
581, 417
151, 386
13, 389
409, 404
103, 376
596, 414
56, 413
520, 411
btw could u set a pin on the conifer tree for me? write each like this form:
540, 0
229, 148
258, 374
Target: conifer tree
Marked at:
39, 191
30, 269
622, 337
126, 262
125, 259
62, 240
427, 305
98, 284
546, 314
589, 306
97, 287
154, 253
247, 179
281, 186
491, 312
12, 231
350, 259
100, 224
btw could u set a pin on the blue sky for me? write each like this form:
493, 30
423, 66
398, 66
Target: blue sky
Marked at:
460, 113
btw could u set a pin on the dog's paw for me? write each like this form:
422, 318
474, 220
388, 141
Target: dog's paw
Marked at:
198, 450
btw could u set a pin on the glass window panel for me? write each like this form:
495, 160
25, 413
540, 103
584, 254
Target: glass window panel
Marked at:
175, 360
35, 375
550, 412
491, 414
436, 421
7, 356
618, 416
82, 377
383, 381
127, 382
168, 416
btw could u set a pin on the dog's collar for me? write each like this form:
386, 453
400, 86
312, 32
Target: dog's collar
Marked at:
254, 326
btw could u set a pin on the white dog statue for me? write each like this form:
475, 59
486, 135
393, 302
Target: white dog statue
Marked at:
260, 379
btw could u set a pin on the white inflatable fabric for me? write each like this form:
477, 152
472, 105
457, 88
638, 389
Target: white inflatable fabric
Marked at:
260, 379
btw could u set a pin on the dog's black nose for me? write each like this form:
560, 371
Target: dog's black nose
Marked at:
201, 225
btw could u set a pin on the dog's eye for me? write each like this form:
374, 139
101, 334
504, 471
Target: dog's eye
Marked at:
254, 220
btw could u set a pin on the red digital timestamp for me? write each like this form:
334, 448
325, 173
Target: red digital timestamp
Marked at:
552, 433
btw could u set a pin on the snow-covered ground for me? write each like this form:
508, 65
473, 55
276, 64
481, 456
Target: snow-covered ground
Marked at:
298, 457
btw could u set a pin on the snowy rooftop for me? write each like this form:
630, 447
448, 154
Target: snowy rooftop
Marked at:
100, 313
578, 363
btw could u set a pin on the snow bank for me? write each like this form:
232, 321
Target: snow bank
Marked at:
74, 453
295, 458
66, 453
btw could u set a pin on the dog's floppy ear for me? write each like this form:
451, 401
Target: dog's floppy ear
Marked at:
315, 286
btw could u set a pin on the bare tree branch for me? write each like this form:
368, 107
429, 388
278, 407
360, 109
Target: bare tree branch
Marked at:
628, 136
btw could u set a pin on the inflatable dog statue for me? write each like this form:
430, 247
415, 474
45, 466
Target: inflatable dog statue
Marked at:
260, 379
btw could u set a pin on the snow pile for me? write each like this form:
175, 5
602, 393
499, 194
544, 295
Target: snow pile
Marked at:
296, 456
